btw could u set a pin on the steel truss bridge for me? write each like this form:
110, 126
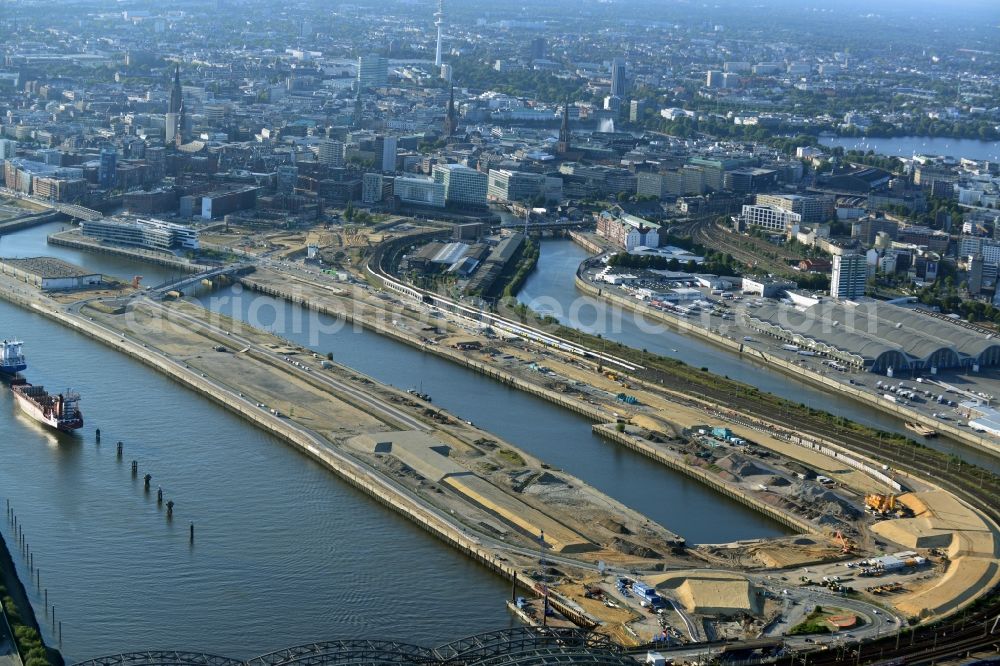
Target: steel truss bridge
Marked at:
528, 646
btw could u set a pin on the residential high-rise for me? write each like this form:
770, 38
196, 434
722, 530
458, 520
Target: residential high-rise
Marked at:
618, 81
373, 71
106, 170
850, 274
330, 153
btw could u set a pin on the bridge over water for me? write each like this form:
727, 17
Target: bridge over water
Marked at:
188, 280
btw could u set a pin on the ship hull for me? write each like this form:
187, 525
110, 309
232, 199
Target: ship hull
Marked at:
10, 370
34, 411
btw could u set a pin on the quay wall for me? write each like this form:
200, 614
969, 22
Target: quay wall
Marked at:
157, 258
29, 221
729, 490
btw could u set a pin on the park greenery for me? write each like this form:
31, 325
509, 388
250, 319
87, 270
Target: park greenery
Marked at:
526, 264
29, 642
814, 623
717, 263
946, 296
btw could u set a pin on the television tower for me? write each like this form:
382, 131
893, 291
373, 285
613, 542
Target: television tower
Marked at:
438, 20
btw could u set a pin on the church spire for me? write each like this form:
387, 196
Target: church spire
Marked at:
450, 119
175, 92
563, 146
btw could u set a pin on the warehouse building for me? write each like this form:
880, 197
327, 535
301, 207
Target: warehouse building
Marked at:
627, 231
49, 274
877, 336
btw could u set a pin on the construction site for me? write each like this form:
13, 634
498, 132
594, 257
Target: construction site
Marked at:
562, 538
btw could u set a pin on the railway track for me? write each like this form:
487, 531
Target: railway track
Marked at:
706, 233
974, 634
981, 489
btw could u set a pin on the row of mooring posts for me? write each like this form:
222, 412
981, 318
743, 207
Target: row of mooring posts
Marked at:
146, 481
34, 573
24, 547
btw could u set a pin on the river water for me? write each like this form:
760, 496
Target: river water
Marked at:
285, 553
908, 146
551, 290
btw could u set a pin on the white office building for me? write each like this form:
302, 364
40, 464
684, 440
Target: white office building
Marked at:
375, 188
506, 185
769, 217
462, 186
154, 234
419, 191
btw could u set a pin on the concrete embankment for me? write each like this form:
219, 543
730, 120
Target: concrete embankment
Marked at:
29, 221
353, 472
66, 239
798, 372
585, 243
729, 490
